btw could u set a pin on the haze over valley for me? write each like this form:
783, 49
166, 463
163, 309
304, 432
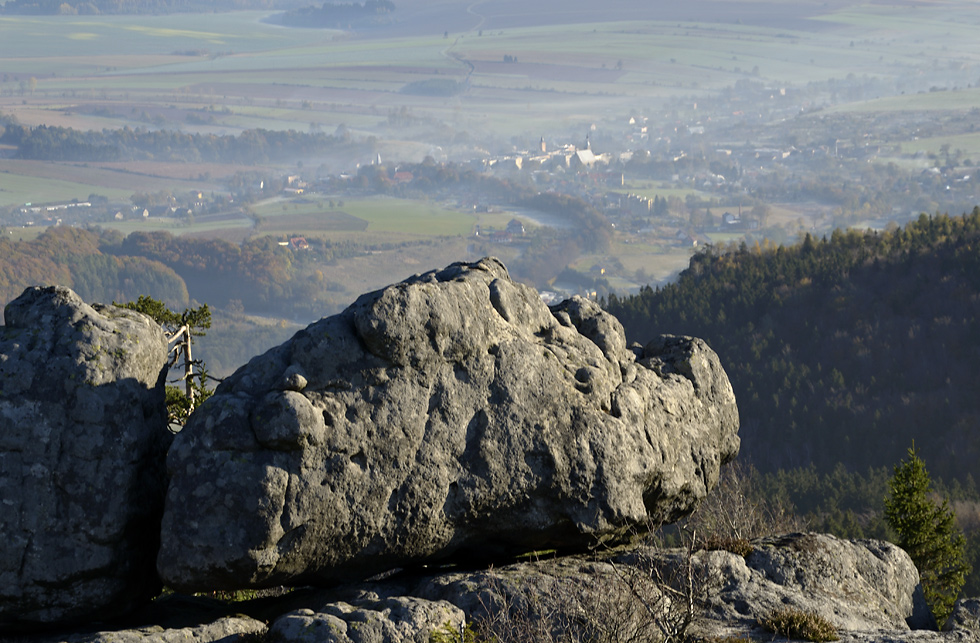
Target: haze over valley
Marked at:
794, 182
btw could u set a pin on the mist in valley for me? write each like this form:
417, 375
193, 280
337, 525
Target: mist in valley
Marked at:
794, 182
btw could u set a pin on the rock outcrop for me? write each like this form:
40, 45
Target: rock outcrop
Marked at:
451, 414
369, 618
855, 585
867, 589
83, 437
223, 630
965, 617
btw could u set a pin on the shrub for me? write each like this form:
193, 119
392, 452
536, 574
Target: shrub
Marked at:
796, 624
736, 512
608, 603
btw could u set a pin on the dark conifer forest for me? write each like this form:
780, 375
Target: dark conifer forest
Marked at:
842, 352
48, 143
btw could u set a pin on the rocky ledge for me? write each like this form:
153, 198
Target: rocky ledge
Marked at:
867, 590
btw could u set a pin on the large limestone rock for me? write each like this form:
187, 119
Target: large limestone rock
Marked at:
82, 444
449, 415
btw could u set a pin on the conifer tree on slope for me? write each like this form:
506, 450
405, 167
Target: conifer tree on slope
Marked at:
180, 328
929, 533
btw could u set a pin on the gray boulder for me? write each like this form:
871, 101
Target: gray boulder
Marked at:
369, 618
965, 617
858, 586
82, 450
450, 415
573, 598
223, 630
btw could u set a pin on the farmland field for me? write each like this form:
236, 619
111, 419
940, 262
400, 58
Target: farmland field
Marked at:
398, 218
370, 221
636, 57
552, 69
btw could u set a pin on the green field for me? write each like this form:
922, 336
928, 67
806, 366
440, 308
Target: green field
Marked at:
370, 221
968, 144
398, 217
177, 227
18, 189
119, 37
660, 260
938, 101
38, 182
25, 234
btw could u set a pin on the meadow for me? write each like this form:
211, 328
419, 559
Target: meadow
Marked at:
373, 221
400, 218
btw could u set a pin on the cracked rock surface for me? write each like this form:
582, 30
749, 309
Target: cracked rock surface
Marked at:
450, 416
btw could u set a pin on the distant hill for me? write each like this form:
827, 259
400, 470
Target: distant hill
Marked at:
139, 7
840, 350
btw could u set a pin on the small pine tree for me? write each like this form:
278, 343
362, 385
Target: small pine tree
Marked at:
180, 328
929, 533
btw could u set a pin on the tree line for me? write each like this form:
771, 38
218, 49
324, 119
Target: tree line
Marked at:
51, 143
842, 352
843, 349
259, 275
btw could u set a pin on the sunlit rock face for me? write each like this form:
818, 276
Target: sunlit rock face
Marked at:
83, 440
449, 416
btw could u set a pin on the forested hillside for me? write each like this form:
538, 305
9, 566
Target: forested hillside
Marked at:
840, 350
72, 257
259, 276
